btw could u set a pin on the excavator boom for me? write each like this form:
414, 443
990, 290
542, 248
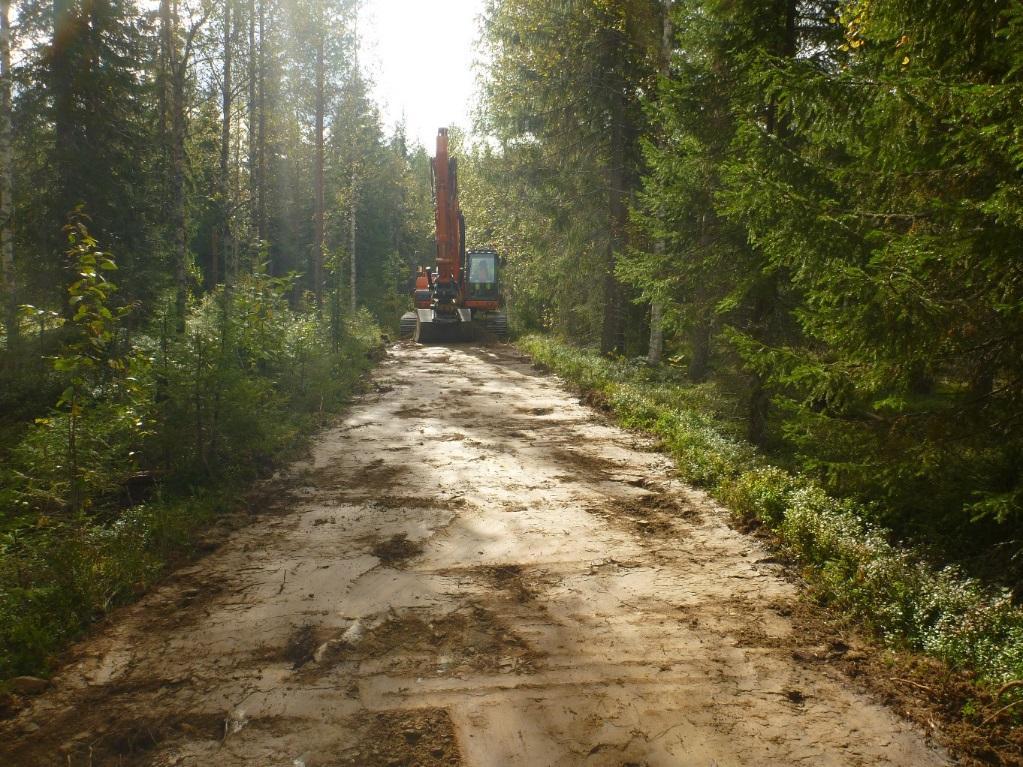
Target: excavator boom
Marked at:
448, 215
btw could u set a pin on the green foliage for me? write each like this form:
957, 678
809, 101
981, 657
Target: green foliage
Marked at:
58, 575
209, 410
562, 99
891, 223
83, 447
831, 208
242, 346
851, 563
760, 493
85, 118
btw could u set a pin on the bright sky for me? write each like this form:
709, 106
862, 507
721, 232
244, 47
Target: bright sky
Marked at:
420, 55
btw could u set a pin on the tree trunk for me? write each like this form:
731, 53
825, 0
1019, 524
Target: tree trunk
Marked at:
166, 87
656, 349
656, 308
765, 302
10, 293
253, 158
702, 327
612, 329
261, 129
699, 363
920, 380
353, 276
224, 191
759, 407
319, 181
763, 325
177, 165
66, 29
174, 122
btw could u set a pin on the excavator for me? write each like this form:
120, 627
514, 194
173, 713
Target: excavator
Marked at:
459, 298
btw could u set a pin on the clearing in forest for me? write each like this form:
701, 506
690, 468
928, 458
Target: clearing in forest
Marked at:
471, 569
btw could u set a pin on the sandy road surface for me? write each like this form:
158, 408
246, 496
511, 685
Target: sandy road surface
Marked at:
471, 569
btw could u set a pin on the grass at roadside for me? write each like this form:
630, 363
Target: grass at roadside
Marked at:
893, 590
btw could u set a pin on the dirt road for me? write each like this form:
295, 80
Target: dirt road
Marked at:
471, 569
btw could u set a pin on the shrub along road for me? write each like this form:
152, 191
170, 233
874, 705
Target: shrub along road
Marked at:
472, 568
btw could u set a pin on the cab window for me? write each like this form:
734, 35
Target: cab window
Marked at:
482, 268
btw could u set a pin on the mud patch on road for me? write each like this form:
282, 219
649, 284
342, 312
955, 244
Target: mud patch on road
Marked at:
535, 411
412, 411
407, 502
468, 640
184, 603
300, 647
662, 506
648, 514
376, 474
645, 519
9, 705
397, 549
528, 428
588, 465
130, 741
510, 579
419, 738
416, 502
125, 742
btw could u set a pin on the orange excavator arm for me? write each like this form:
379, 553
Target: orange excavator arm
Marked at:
450, 235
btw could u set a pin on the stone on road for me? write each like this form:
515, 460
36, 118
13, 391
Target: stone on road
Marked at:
470, 569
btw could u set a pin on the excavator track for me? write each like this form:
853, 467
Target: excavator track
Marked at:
425, 332
497, 326
407, 326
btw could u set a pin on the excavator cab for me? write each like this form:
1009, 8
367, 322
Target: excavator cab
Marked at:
481, 278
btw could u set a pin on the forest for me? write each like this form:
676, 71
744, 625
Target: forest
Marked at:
205, 224
783, 236
811, 209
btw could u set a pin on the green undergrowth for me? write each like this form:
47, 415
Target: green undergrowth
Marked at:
169, 431
855, 566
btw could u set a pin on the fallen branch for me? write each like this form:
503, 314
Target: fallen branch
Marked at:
923, 687
1001, 711
1008, 686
